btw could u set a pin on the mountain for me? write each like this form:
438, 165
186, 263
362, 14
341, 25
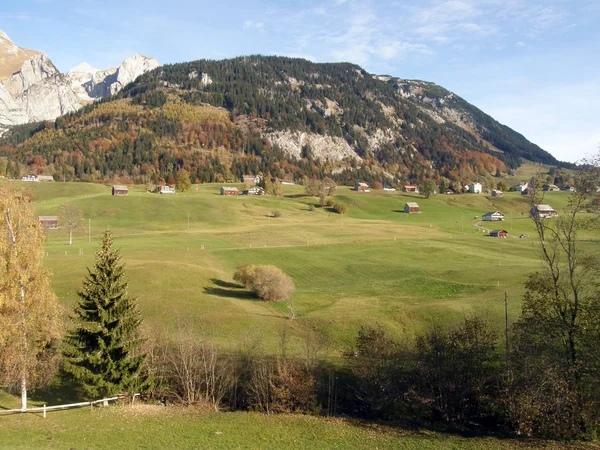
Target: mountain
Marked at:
289, 117
32, 89
445, 106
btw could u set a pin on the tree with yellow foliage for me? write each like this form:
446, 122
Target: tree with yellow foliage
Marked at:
29, 311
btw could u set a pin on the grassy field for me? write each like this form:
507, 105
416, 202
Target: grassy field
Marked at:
155, 427
377, 265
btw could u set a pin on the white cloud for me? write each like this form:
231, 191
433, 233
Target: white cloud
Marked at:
251, 24
320, 11
521, 44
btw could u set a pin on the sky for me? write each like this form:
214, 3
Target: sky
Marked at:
531, 64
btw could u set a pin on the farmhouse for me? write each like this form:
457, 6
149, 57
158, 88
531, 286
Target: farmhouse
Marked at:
550, 188
543, 212
521, 186
49, 222
493, 216
499, 233
497, 193
528, 191
229, 190
166, 190
256, 190
410, 188
475, 188
411, 208
361, 187
251, 179
120, 191
30, 178
569, 188
45, 178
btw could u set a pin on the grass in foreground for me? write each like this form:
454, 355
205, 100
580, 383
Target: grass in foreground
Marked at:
157, 427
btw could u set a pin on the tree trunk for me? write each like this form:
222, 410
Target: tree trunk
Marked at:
13, 239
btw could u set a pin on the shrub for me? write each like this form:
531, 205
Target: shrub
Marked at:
377, 185
276, 214
269, 283
245, 274
330, 203
311, 207
340, 208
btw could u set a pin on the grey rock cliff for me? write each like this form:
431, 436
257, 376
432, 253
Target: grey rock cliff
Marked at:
33, 89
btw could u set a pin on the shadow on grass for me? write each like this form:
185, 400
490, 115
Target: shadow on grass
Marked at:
295, 195
230, 290
225, 284
57, 394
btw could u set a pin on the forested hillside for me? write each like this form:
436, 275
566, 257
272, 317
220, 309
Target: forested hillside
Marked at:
288, 117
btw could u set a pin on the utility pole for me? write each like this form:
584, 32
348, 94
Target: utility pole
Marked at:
342, 221
188, 231
89, 230
506, 325
462, 223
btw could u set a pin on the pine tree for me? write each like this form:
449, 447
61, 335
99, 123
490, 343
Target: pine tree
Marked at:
102, 352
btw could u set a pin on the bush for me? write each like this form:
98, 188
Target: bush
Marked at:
276, 214
330, 203
269, 283
311, 207
340, 208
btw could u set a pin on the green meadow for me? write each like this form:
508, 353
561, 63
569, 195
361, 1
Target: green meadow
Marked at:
376, 265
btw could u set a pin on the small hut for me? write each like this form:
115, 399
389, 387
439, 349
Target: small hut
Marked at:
231, 191
499, 233
49, 222
120, 191
497, 193
411, 208
361, 187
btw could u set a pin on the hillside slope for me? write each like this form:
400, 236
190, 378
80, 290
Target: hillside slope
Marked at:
289, 117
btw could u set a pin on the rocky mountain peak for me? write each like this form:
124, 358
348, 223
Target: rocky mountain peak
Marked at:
33, 89
83, 68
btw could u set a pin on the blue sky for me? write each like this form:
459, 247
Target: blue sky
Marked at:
531, 64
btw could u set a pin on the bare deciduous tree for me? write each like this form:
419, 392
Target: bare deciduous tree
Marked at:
71, 219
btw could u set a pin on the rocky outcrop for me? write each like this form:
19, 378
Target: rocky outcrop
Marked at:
321, 146
33, 89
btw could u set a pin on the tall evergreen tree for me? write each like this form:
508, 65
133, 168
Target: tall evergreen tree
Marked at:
102, 352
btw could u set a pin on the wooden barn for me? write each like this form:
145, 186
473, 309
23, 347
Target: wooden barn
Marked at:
45, 178
543, 212
49, 222
499, 233
497, 193
120, 191
361, 187
493, 216
229, 191
411, 208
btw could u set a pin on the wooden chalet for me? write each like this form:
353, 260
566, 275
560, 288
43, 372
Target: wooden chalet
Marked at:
543, 212
120, 191
499, 233
550, 188
166, 190
49, 222
230, 191
493, 216
410, 188
411, 208
361, 187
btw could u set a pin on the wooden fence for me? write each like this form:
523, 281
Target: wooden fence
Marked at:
44, 409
